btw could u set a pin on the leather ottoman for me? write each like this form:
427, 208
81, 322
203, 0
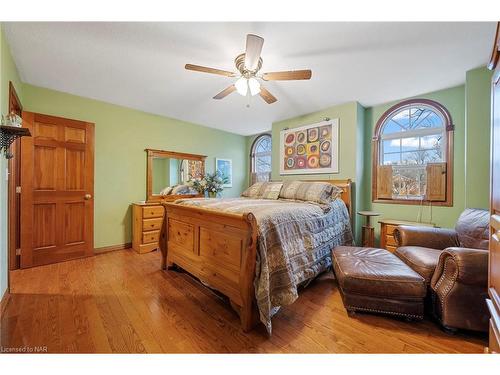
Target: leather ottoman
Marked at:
375, 280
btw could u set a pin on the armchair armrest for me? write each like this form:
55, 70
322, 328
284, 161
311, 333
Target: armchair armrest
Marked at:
462, 265
434, 238
460, 285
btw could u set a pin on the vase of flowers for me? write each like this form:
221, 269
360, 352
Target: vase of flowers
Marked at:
211, 184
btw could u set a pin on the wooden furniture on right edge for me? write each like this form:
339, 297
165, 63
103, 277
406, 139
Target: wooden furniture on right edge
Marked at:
494, 253
147, 221
387, 227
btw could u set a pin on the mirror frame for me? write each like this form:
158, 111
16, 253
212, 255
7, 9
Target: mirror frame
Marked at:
152, 153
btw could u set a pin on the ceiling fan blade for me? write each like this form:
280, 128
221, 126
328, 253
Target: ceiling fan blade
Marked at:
287, 75
225, 92
253, 50
267, 96
204, 69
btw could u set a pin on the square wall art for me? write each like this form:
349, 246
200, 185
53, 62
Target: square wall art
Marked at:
310, 149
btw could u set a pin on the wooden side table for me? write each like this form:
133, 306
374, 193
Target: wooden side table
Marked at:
147, 220
368, 232
387, 227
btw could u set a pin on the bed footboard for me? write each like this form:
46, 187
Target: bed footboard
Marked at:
216, 247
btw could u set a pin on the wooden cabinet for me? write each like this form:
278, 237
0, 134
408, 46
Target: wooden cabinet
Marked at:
147, 219
494, 255
387, 227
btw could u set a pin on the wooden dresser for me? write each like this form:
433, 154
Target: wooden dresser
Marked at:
387, 227
147, 219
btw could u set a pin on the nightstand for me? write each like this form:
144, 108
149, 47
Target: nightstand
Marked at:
368, 233
387, 227
147, 219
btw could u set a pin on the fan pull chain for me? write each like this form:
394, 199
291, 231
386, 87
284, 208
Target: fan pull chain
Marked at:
249, 97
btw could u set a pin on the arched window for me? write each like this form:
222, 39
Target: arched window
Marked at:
260, 158
412, 162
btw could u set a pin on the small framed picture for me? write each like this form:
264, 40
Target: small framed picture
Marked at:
225, 168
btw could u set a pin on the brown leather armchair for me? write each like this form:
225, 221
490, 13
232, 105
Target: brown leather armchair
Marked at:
454, 264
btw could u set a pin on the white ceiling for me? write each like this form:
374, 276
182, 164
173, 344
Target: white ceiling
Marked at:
141, 65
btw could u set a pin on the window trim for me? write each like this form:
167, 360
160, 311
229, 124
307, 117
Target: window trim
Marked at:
252, 150
449, 128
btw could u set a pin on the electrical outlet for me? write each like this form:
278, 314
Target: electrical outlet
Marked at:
6, 174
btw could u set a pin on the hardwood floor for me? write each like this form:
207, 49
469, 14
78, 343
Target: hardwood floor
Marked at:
122, 302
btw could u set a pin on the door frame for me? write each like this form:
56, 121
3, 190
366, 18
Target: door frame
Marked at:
13, 206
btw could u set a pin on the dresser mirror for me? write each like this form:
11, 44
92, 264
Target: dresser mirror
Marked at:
168, 173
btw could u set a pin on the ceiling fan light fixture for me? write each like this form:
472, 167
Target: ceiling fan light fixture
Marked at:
242, 86
248, 75
254, 86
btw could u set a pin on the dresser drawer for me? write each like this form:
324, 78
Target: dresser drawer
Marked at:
390, 241
152, 211
389, 229
152, 224
149, 237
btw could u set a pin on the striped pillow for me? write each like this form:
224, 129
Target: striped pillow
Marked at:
319, 192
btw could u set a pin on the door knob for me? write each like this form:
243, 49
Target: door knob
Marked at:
87, 196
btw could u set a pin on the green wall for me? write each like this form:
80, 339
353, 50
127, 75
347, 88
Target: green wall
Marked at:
477, 138
121, 135
351, 151
161, 174
8, 72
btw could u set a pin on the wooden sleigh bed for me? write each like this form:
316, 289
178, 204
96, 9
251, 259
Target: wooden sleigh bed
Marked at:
220, 248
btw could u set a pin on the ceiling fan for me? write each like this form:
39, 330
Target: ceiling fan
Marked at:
248, 65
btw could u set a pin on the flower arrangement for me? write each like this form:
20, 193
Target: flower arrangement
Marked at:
211, 183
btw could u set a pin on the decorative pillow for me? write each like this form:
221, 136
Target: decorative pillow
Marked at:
254, 191
271, 190
183, 190
166, 191
473, 228
319, 192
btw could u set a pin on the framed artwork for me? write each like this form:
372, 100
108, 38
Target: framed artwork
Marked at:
310, 149
225, 168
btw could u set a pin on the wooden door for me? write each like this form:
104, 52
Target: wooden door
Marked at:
57, 189
494, 260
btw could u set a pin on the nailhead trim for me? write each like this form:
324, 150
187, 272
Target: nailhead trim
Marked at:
384, 312
443, 294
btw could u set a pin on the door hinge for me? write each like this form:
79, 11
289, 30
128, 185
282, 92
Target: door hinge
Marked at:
18, 189
18, 251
